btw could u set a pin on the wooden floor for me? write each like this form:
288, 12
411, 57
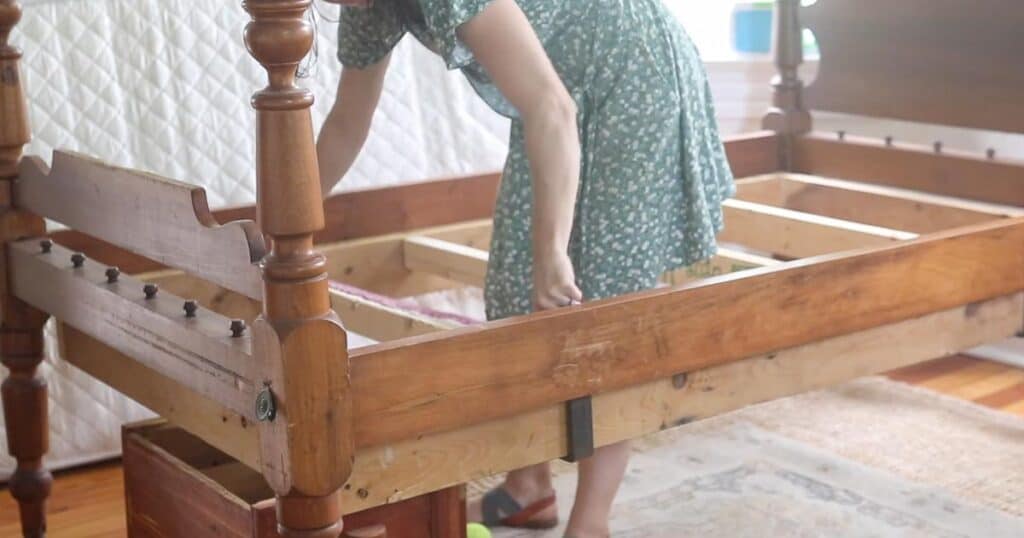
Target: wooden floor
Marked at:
90, 502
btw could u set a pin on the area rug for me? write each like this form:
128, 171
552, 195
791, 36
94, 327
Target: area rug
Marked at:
872, 458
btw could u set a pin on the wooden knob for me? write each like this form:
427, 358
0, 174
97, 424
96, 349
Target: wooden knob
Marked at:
191, 307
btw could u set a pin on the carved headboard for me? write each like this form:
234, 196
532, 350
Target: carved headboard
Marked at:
949, 62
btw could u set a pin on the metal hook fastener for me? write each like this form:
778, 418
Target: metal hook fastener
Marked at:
266, 407
77, 260
45, 246
237, 328
112, 274
150, 290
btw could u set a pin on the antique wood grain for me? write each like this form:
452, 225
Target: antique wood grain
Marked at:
896, 60
307, 446
398, 470
232, 432
950, 173
419, 464
198, 351
572, 352
24, 390
162, 219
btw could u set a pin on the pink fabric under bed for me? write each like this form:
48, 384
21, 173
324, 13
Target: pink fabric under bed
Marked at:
403, 304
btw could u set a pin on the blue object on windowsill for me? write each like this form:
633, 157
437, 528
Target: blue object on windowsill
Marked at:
752, 27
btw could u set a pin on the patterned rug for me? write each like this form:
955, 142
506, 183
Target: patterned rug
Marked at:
872, 458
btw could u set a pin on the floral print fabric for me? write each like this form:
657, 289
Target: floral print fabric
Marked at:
654, 171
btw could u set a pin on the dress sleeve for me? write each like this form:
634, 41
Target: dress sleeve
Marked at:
442, 18
367, 35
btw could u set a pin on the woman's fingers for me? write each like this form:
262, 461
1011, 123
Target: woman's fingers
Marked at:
562, 296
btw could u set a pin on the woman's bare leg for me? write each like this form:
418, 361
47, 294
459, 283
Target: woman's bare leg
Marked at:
599, 478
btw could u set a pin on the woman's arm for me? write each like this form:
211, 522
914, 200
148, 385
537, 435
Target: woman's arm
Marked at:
345, 129
505, 44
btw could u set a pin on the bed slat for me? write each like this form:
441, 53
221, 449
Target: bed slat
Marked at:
162, 219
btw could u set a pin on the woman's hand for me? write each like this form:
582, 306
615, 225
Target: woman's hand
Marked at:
554, 282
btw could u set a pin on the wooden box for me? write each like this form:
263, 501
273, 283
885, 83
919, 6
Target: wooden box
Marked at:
178, 486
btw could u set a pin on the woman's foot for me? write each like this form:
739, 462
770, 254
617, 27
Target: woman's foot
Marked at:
501, 508
525, 499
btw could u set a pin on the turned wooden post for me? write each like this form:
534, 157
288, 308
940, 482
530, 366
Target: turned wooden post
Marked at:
787, 116
304, 405
21, 327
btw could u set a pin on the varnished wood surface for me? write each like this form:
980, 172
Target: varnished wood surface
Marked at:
573, 352
89, 502
950, 173
932, 61
198, 351
163, 219
388, 210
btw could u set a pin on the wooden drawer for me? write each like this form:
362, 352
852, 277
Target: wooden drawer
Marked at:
177, 485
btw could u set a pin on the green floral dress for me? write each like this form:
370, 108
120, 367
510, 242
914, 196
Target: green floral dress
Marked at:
654, 172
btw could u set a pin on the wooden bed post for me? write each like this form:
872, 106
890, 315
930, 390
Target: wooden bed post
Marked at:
21, 327
304, 406
787, 116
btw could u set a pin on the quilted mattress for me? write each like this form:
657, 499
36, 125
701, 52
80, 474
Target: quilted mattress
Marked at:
164, 85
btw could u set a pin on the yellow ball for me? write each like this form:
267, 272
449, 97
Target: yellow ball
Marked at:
476, 530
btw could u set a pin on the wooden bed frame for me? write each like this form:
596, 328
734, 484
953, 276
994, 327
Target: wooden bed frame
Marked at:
914, 254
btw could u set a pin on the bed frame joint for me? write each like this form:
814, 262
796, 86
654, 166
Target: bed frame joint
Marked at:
579, 418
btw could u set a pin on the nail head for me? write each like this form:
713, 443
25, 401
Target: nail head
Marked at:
679, 380
888, 141
190, 308
991, 153
841, 134
938, 147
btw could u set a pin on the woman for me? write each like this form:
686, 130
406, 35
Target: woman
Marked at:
615, 172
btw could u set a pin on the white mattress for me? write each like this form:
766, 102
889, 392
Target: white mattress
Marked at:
164, 85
